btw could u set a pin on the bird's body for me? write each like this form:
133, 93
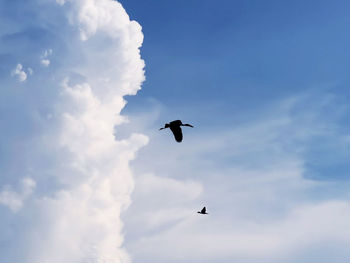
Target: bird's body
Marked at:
175, 127
203, 211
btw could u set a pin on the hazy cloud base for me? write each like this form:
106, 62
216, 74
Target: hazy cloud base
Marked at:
253, 174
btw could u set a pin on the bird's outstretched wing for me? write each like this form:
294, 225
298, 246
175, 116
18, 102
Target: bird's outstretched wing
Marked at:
204, 210
177, 133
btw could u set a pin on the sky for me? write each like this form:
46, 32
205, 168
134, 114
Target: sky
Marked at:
87, 177
250, 52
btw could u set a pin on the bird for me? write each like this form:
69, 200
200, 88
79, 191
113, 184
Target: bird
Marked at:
203, 211
175, 127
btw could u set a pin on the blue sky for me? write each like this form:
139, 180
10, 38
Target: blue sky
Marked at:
266, 85
220, 61
248, 52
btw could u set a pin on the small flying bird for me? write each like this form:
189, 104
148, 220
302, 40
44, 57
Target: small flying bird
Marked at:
203, 211
175, 127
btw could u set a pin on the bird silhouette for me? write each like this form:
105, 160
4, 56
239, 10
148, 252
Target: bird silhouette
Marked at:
175, 127
203, 211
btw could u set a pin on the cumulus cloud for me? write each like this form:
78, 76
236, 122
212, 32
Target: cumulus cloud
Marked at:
93, 17
61, 129
19, 73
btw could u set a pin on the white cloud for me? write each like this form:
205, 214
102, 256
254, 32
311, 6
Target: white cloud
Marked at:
93, 17
19, 73
44, 57
263, 205
209, 238
13, 199
166, 199
45, 62
82, 174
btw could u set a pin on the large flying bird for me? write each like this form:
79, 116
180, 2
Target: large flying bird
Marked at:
175, 127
